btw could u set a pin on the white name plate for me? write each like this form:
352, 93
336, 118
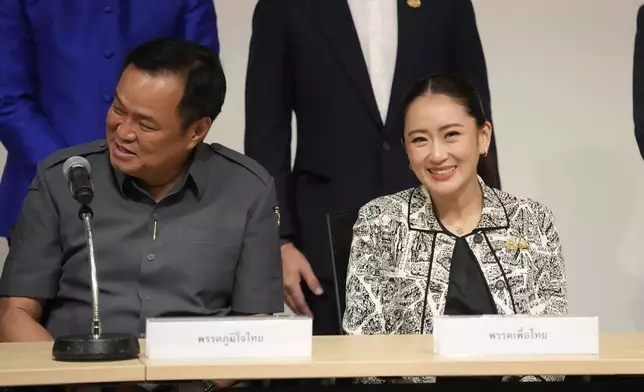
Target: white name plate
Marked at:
215, 338
519, 335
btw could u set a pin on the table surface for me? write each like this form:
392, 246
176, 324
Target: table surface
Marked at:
333, 356
32, 364
408, 355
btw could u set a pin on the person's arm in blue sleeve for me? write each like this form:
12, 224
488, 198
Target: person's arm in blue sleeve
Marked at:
200, 23
24, 130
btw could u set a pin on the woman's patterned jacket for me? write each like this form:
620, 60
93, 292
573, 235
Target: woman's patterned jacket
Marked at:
399, 265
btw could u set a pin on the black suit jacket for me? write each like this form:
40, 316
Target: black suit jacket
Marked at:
305, 56
638, 81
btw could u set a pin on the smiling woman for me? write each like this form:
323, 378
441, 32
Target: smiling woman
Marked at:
448, 246
447, 136
444, 113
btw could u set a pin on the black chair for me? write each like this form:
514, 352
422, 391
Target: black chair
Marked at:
340, 232
340, 227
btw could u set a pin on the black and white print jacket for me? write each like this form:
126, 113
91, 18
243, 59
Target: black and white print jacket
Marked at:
399, 265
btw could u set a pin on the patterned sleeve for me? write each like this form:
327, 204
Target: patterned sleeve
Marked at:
551, 283
551, 279
363, 314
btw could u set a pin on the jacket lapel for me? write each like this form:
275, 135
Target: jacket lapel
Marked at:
494, 216
420, 215
335, 21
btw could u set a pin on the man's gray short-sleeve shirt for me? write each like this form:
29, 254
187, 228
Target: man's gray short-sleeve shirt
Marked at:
208, 249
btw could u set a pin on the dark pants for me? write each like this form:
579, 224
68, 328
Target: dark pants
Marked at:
325, 309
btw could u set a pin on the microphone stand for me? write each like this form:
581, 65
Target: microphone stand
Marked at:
96, 346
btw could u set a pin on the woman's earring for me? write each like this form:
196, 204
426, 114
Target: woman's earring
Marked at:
484, 153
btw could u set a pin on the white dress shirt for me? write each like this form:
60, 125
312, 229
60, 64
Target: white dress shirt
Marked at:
376, 22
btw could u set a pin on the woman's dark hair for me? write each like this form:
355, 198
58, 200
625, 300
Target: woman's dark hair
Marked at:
461, 90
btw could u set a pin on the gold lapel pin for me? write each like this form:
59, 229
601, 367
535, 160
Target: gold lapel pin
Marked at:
514, 243
414, 3
276, 210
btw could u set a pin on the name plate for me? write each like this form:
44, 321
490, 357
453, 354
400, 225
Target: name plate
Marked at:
518, 335
229, 337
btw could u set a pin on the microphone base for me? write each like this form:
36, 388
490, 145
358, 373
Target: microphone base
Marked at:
107, 347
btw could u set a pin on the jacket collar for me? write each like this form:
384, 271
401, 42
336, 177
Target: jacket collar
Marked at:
421, 211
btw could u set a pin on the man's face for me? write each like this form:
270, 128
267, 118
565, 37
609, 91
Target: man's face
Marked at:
143, 127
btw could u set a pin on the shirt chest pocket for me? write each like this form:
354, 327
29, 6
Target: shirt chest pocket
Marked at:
209, 235
209, 258
213, 251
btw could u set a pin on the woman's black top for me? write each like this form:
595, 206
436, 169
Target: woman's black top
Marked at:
467, 294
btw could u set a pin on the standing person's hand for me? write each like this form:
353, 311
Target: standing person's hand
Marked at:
296, 267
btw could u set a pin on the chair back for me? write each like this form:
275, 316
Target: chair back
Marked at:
340, 226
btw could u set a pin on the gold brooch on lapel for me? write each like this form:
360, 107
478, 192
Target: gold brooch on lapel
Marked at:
414, 3
276, 210
517, 243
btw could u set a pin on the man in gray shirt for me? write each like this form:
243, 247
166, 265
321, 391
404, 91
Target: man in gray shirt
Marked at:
182, 228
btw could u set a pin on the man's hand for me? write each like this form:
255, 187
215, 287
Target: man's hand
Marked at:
296, 267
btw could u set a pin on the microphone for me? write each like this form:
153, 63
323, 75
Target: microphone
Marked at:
96, 345
77, 173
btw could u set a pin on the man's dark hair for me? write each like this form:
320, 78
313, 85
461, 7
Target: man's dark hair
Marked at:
205, 82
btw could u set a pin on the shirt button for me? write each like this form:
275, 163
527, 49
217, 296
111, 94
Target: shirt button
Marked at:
107, 9
147, 298
108, 54
151, 257
500, 284
107, 98
385, 146
478, 238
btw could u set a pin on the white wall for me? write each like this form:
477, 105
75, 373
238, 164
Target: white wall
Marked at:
560, 75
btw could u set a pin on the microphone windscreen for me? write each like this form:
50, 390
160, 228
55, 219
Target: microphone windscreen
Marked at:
75, 161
